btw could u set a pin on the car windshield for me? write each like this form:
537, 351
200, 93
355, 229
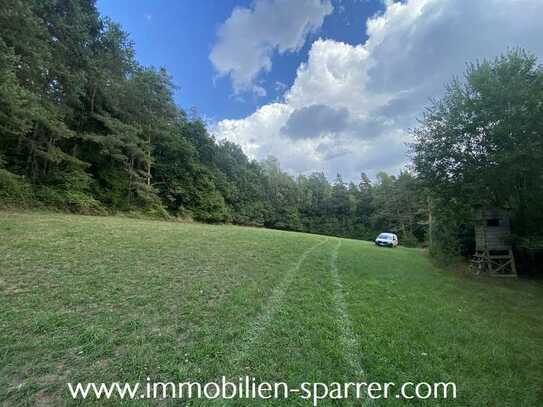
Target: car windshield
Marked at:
385, 236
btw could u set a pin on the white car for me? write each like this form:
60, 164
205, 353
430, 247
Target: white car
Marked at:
387, 239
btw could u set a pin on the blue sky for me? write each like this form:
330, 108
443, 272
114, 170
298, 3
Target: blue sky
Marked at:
332, 86
179, 35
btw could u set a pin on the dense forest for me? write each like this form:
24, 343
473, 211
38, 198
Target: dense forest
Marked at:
85, 128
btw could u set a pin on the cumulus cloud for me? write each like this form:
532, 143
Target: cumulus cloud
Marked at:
249, 37
350, 106
315, 120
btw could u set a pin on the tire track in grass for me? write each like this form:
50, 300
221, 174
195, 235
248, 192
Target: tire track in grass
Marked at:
274, 303
348, 339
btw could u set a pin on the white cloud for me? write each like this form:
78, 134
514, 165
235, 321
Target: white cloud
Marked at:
412, 50
249, 37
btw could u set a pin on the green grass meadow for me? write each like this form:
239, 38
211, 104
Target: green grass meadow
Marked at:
107, 299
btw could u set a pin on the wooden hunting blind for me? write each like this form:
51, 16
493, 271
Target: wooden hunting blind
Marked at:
493, 248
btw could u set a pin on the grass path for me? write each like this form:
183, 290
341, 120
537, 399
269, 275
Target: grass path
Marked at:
110, 299
274, 302
348, 339
300, 343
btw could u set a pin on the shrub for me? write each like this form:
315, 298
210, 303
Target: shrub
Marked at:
445, 244
80, 202
212, 209
14, 190
156, 211
71, 201
408, 239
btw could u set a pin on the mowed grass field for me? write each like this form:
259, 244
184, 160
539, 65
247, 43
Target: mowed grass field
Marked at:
107, 299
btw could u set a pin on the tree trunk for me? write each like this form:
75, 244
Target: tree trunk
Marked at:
130, 168
149, 160
429, 222
93, 97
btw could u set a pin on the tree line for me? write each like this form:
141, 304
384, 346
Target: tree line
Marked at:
85, 128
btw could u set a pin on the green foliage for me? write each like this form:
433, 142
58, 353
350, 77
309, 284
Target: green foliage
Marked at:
14, 190
445, 245
400, 206
211, 208
481, 143
69, 201
89, 130
80, 202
